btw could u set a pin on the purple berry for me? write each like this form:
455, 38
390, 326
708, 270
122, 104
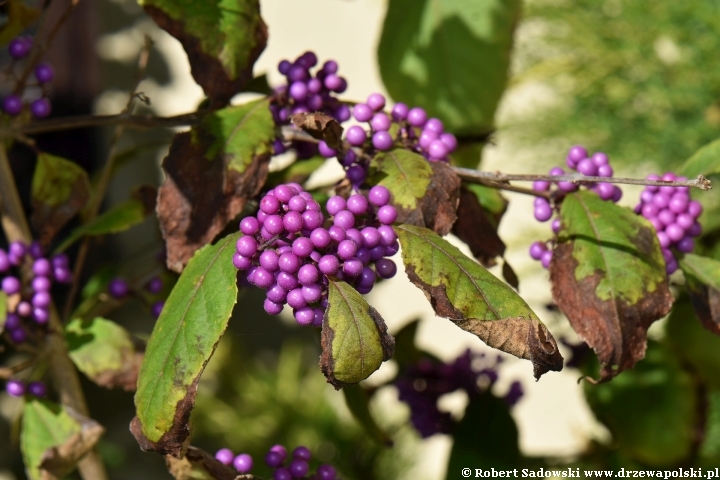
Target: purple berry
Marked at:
356, 174
686, 244
302, 453
41, 299
295, 298
694, 208
387, 214
605, 190
400, 111
380, 122
274, 459
437, 150
576, 154
18, 335
537, 249
353, 267
329, 264
12, 321
546, 258
376, 101
247, 246
357, 204
282, 473
225, 455
417, 117
243, 463
299, 468
304, 315
308, 274
240, 262
345, 219
362, 112
19, 47
44, 73
541, 185
272, 308
24, 309
249, 225
325, 150
587, 167
356, 135
385, 268
289, 263
543, 212
156, 308
326, 472
16, 388
40, 108
37, 389
11, 285
674, 232
382, 140
41, 315
12, 104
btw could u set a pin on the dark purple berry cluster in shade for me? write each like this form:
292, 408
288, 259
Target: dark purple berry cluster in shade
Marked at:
13, 104
673, 215
422, 385
413, 131
119, 288
304, 93
289, 248
33, 298
578, 160
18, 388
297, 467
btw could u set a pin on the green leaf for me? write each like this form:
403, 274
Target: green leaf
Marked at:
706, 161
406, 174
475, 300
650, 410
104, 351
119, 218
357, 400
3, 310
60, 189
608, 276
223, 38
53, 440
183, 340
490, 199
241, 132
702, 279
450, 57
486, 437
354, 341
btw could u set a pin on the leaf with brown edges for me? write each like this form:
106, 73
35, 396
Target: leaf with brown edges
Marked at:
702, 279
461, 290
608, 277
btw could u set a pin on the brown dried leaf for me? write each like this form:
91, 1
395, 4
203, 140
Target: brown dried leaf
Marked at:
320, 126
57, 462
475, 228
702, 280
197, 464
510, 276
199, 197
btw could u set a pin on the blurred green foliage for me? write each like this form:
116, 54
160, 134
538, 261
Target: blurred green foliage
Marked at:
638, 79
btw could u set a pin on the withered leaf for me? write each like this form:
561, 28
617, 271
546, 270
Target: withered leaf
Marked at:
474, 227
608, 277
510, 276
461, 290
60, 189
59, 461
702, 280
222, 41
199, 197
320, 126
197, 464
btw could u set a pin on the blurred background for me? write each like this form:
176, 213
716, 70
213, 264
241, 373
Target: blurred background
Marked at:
637, 79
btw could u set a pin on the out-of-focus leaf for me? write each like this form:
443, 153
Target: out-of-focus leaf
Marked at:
104, 351
298, 172
706, 161
702, 279
450, 57
475, 300
486, 437
211, 172
608, 277
52, 440
60, 189
354, 341
650, 410
477, 229
183, 340
425, 194
357, 400
3, 310
490, 199
18, 17
222, 38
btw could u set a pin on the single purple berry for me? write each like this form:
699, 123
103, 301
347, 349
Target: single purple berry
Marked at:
686, 244
417, 117
37, 389
400, 111
302, 453
42, 266
16, 388
41, 299
326, 472
299, 468
577, 153
41, 315
44, 72
537, 249
282, 473
11, 285
356, 135
225, 455
12, 321
376, 101
156, 308
325, 150
18, 335
12, 104
40, 108
543, 212
4, 261
118, 287
380, 122
20, 47
382, 140
24, 309
243, 463
35, 250
546, 258
154, 285
385, 268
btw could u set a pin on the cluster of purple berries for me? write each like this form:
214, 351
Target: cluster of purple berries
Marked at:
18, 388
422, 385
119, 288
306, 93
415, 131
297, 468
12, 104
290, 249
673, 215
34, 299
578, 159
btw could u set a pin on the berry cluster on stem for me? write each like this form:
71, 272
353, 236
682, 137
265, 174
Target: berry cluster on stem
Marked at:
12, 104
295, 468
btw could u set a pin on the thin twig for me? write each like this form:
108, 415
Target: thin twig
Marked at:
468, 174
99, 194
9, 372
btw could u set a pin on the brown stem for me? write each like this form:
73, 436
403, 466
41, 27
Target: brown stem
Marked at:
471, 175
104, 182
8, 372
62, 370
